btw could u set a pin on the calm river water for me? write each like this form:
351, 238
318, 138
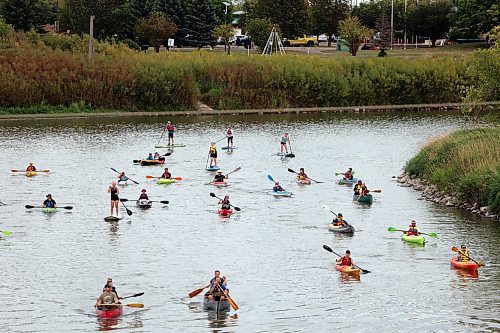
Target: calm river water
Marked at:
53, 266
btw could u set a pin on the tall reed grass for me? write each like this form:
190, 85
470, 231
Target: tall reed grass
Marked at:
53, 70
466, 162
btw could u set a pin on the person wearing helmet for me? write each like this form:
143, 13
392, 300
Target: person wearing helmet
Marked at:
144, 195
49, 202
166, 174
278, 188
219, 177
31, 167
412, 229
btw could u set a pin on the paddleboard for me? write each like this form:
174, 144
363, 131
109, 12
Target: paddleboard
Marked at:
112, 219
176, 145
229, 148
285, 155
213, 168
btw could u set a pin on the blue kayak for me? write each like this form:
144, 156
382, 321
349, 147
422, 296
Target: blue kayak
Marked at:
280, 193
213, 168
343, 181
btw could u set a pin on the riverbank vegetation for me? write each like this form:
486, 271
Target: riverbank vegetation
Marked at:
465, 163
53, 70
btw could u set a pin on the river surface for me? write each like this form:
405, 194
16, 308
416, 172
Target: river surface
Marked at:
53, 266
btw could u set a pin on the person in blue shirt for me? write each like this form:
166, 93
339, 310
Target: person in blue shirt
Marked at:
122, 177
150, 157
217, 291
49, 202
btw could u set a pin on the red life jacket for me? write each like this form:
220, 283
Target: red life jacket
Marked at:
31, 168
346, 261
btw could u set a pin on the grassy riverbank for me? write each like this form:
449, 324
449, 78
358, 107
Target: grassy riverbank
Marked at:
51, 73
465, 163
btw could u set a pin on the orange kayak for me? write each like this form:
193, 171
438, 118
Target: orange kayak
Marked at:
347, 269
469, 265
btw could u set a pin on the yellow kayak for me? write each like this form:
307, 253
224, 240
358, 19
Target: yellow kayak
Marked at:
30, 173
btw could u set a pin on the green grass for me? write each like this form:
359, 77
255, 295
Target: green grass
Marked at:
466, 162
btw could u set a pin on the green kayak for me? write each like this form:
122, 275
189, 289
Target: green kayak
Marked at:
414, 239
165, 181
363, 199
49, 210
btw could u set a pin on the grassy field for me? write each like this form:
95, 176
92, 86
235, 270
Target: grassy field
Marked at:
465, 162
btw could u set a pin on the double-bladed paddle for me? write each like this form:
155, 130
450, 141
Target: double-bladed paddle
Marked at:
430, 234
6, 233
271, 179
343, 173
166, 202
63, 207
326, 247
290, 170
227, 174
152, 177
455, 249
131, 305
29, 171
325, 207
128, 178
134, 295
235, 208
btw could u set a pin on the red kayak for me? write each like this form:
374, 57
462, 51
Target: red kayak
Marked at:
112, 313
225, 212
468, 265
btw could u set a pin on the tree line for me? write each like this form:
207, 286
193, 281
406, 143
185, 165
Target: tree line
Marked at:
193, 22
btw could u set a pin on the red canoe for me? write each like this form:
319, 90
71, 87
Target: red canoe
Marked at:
107, 314
225, 212
468, 265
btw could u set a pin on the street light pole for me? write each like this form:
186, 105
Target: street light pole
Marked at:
405, 25
392, 23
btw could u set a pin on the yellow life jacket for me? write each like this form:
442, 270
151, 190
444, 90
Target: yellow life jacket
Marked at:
463, 255
212, 149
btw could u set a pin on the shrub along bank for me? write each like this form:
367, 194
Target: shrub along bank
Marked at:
53, 72
465, 164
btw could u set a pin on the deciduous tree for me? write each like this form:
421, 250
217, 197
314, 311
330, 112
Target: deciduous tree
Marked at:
226, 32
354, 33
156, 29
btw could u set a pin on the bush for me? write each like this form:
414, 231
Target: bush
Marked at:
466, 162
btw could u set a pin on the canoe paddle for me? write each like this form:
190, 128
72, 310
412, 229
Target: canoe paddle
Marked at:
32, 171
235, 208
455, 249
63, 207
326, 247
227, 174
125, 176
290, 170
134, 295
195, 292
430, 234
151, 177
230, 300
129, 212
325, 207
6, 233
166, 202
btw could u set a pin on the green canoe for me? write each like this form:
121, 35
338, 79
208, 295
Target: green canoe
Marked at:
363, 199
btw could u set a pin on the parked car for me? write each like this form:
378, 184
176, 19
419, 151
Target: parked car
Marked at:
304, 41
243, 40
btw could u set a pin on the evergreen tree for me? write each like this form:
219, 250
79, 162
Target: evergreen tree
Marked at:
200, 23
175, 10
290, 15
383, 27
135, 10
27, 14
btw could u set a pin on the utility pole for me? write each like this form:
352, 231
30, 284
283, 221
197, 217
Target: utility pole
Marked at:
91, 47
405, 24
392, 23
